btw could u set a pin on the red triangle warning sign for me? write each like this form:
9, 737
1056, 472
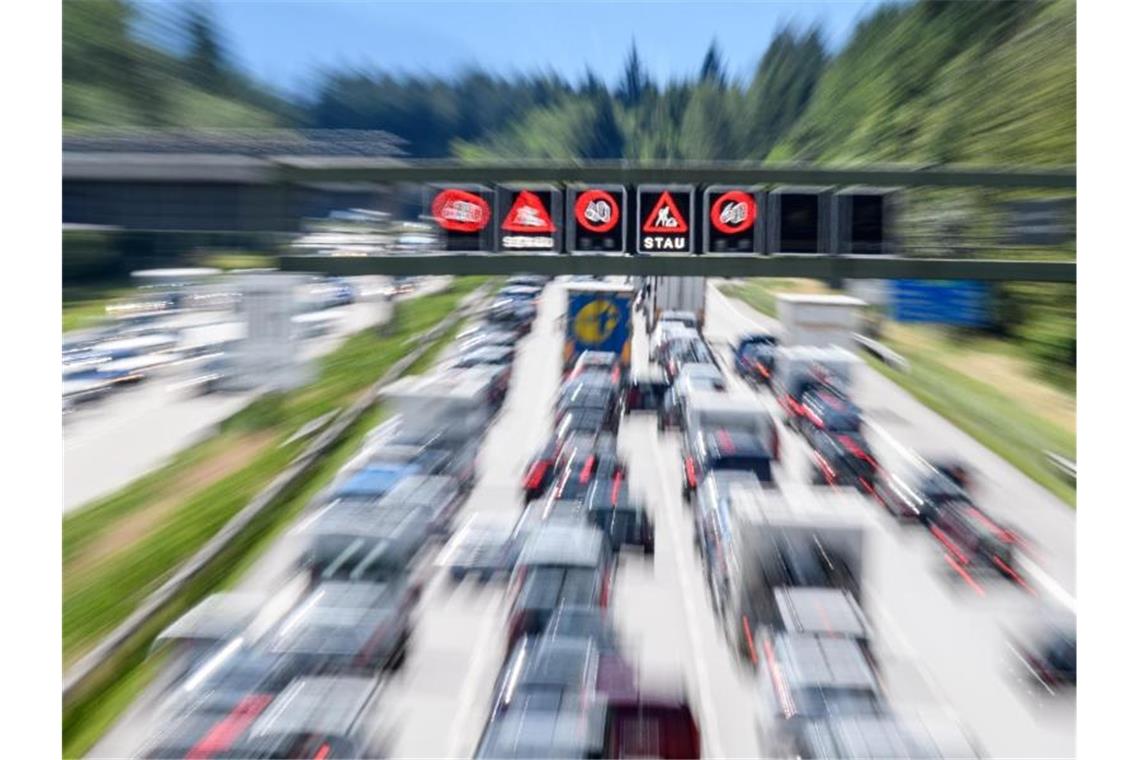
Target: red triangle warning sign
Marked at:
528, 215
665, 217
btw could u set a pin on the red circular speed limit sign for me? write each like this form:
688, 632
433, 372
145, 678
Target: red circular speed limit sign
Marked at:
596, 211
733, 212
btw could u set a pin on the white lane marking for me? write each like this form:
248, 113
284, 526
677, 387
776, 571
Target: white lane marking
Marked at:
704, 688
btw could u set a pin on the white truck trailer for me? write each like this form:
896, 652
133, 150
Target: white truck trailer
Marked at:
819, 320
676, 294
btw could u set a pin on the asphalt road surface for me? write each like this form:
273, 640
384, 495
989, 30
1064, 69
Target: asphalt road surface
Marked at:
131, 432
941, 643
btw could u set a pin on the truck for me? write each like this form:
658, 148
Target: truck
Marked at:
599, 317
762, 547
685, 294
819, 320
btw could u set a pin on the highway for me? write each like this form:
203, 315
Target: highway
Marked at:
134, 431
941, 643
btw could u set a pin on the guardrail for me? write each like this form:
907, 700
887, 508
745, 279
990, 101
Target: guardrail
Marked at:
812, 266
1067, 466
889, 356
80, 674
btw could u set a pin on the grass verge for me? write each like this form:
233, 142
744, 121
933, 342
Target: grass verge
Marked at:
91, 714
84, 304
1007, 409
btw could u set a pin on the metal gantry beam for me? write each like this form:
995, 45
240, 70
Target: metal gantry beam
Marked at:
691, 172
815, 266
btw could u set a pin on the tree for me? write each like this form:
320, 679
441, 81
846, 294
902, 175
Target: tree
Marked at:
706, 130
635, 82
206, 60
712, 69
781, 88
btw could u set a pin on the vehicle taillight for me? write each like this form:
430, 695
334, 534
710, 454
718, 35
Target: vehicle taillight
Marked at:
691, 472
536, 474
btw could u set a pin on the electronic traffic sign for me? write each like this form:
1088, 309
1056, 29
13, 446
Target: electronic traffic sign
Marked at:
463, 215
529, 218
596, 219
733, 220
664, 218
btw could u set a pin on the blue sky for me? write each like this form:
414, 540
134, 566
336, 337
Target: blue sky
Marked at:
287, 44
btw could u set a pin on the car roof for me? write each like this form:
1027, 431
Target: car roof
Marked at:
563, 545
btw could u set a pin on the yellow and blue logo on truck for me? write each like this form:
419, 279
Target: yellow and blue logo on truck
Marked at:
598, 321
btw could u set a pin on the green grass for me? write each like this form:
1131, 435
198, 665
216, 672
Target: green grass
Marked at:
237, 260
993, 417
91, 714
86, 304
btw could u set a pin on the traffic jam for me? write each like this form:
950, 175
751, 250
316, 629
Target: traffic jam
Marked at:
783, 563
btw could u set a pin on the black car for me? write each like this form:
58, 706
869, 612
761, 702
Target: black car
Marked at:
611, 509
827, 409
704, 451
972, 539
1050, 655
842, 459
754, 357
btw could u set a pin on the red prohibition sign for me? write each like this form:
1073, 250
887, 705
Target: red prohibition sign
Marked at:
732, 224
460, 211
586, 211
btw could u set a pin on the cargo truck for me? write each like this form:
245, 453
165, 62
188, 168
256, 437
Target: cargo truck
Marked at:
599, 317
675, 294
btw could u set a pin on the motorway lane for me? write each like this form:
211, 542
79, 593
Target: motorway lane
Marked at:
940, 644
943, 644
134, 431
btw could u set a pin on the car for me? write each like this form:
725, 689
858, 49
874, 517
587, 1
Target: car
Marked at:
686, 318
973, 540
363, 540
646, 392
582, 460
583, 397
610, 508
842, 459
755, 362
528, 293
484, 548
347, 626
511, 315
723, 448
679, 353
557, 564
597, 361
540, 470
545, 589
578, 420
497, 356
583, 622
1049, 654
485, 335
693, 378
828, 409
372, 482
665, 332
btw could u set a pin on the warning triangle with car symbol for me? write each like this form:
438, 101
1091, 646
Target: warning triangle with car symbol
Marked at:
528, 214
665, 217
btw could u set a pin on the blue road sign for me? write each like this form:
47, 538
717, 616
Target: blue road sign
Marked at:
964, 303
